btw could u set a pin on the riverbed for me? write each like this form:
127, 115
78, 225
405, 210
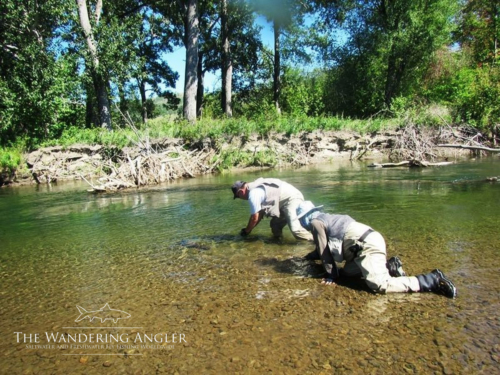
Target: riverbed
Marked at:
186, 294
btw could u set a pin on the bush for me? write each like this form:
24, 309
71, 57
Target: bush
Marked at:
10, 159
477, 96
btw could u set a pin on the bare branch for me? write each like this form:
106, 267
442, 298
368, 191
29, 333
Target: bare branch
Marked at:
479, 148
98, 10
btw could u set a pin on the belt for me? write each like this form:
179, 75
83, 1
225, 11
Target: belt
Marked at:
356, 249
364, 235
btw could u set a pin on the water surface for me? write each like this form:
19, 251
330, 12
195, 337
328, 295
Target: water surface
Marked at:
171, 257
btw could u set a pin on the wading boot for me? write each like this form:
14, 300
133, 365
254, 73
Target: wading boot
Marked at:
395, 267
437, 282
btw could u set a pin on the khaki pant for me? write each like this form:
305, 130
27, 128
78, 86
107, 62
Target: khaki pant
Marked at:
288, 216
371, 262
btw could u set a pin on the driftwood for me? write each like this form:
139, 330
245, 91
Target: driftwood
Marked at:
409, 163
415, 142
477, 148
146, 165
152, 167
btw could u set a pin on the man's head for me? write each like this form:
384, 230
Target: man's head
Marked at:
306, 212
240, 190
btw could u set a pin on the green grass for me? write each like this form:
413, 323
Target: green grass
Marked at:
165, 127
10, 158
216, 129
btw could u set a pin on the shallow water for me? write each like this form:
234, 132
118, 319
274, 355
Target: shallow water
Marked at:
171, 257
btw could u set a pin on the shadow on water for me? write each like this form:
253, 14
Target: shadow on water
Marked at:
293, 266
208, 242
311, 269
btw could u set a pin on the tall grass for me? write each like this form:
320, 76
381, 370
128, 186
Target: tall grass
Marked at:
165, 127
218, 130
10, 158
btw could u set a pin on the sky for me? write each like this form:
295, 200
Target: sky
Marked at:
177, 60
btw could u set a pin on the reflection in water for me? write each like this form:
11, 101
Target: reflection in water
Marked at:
171, 256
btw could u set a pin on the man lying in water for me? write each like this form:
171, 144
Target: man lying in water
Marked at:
340, 238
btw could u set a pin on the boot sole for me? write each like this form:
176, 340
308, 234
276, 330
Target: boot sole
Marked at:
449, 285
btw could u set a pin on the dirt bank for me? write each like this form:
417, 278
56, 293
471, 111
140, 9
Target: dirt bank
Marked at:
156, 161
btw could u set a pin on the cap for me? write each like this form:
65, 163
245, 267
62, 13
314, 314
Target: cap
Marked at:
237, 186
306, 208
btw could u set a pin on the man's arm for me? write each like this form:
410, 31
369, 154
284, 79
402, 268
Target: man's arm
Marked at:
255, 198
321, 240
253, 221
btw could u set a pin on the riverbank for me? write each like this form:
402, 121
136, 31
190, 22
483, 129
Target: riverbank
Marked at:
150, 162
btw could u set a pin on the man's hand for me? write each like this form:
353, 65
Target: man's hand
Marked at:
243, 232
329, 281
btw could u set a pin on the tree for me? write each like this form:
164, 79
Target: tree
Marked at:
414, 34
240, 46
39, 88
389, 48
97, 73
282, 14
227, 64
207, 48
475, 88
132, 36
228, 42
151, 70
191, 35
480, 29
184, 17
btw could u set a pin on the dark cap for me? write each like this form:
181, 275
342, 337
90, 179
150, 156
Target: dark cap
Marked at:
237, 186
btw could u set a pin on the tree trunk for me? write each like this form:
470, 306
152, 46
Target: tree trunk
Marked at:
227, 64
201, 88
495, 20
395, 71
102, 100
97, 77
389, 82
191, 42
144, 108
123, 100
277, 68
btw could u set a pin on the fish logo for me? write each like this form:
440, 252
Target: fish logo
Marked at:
104, 313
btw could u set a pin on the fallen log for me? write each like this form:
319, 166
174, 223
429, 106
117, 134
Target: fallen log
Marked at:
478, 148
409, 163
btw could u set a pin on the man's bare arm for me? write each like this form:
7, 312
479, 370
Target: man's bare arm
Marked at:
253, 221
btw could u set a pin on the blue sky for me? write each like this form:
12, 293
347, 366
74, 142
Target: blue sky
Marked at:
177, 60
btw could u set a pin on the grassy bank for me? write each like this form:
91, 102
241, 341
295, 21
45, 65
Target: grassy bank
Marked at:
10, 158
217, 129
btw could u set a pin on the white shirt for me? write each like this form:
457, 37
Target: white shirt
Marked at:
256, 197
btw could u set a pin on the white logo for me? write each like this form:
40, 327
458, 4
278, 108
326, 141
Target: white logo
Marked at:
104, 313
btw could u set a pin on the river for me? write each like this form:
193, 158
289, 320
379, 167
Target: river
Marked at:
184, 293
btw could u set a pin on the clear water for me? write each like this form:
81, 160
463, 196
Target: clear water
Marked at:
172, 258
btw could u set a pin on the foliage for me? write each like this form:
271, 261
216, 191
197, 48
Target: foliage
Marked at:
10, 159
377, 60
235, 157
39, 90
302, 93
218, 130
480, 29
476, 96
389, 47
471, 90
